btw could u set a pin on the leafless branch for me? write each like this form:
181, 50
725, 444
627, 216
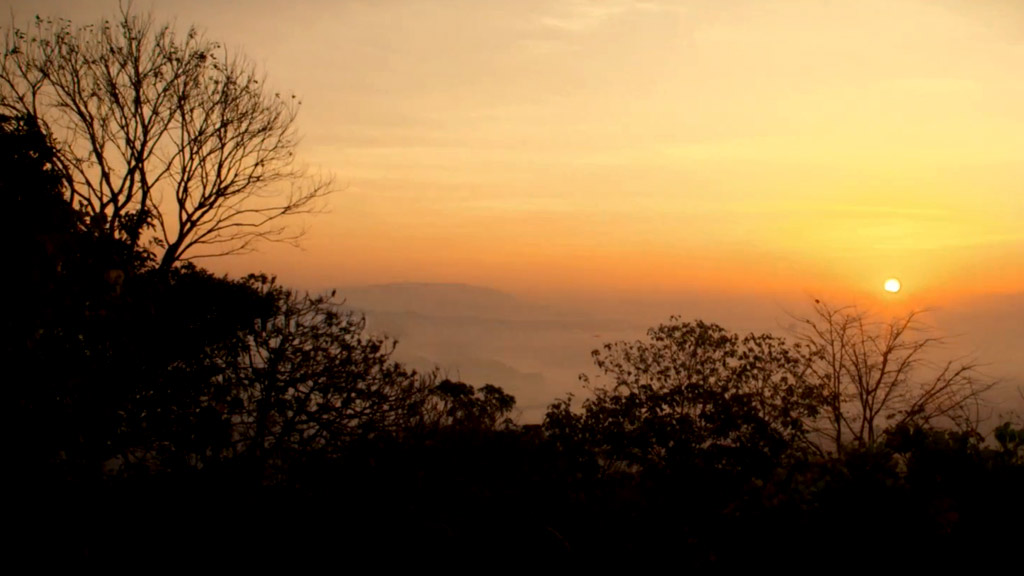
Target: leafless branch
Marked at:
164, 131
872, 374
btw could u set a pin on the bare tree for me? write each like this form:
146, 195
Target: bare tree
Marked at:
874, 374
169, 141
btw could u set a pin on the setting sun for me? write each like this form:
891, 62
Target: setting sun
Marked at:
892, 285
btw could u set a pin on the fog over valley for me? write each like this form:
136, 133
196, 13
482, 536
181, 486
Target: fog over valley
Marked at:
537, 349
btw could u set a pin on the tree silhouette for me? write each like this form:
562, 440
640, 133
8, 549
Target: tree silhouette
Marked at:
694, 390
162, 138
874, 375
463, 407
44, 233
308, 380
62, 298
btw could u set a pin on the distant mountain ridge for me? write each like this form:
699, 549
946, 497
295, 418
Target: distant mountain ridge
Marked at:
439, 299
537, 351
484, 335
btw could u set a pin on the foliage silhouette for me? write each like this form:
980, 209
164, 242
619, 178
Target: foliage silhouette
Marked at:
459, 405
67, 296
693, 390
308, 380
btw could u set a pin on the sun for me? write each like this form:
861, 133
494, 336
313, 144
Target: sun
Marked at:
892, 285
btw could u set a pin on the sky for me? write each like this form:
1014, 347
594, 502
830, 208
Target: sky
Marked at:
723, 159
644, 147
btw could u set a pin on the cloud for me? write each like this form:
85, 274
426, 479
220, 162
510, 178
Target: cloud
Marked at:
583, 15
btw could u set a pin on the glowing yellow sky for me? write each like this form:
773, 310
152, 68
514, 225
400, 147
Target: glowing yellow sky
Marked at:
722, 145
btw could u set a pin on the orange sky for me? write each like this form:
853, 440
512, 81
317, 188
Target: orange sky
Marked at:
646, 146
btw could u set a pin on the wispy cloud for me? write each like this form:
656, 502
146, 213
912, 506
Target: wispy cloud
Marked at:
582, 15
